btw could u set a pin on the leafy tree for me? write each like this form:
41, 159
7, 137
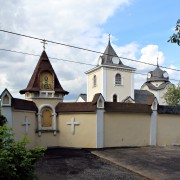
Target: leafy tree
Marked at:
3, 120
175, 38
172, 96
16, 161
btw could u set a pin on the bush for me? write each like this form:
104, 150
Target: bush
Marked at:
16, 161
3, 120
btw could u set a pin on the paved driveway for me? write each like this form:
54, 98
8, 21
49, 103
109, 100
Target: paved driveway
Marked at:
151, 162
79, 164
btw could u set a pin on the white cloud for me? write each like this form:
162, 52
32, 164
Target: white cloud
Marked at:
147, 54
151, 54
67, 21
173, 74
77, 23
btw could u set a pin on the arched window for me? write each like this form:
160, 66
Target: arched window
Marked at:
94, 80
46, 118
114, 98
118, 79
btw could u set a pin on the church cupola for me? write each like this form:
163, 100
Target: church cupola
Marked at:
44, 82
157, 83
157, 75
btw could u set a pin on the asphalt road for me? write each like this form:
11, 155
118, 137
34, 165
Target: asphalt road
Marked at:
157, 163
78, 164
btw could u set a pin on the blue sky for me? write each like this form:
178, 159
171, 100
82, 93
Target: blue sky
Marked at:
147, 22
139, 30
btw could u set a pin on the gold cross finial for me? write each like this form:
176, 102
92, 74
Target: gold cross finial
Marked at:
44, 44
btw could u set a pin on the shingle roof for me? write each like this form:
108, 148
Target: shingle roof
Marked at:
143, 97
95, 98
109, 53
127, 107
109, 107
128, 99
168, 109
152, 87
75, 107
43, 65
157, 75
21, 104
83, 96
5, 90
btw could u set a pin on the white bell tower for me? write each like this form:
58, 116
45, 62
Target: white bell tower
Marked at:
111, 78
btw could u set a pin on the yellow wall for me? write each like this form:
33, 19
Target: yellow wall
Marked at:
168, 129
85, 133
19, 129
122, 129
40, 102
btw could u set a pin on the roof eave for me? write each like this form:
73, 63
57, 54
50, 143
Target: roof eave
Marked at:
110, 66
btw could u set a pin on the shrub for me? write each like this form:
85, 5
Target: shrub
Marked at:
16, 161
3, 120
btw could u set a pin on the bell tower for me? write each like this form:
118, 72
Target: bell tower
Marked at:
111, 78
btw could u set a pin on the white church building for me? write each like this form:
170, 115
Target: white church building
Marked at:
115, 81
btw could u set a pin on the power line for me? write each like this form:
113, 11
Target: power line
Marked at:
71, 61
85, 49
30, 54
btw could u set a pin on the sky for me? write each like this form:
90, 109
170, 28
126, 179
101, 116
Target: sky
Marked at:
139, 30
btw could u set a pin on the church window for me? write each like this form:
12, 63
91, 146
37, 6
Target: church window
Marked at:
114, 98
6, 99
46, 81
118, 79
46, 118
94, 81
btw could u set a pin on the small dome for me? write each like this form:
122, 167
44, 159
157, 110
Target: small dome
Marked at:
157, 75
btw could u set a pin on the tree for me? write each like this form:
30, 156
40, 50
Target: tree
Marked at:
3, 120
16, 161
175, 38
172, 96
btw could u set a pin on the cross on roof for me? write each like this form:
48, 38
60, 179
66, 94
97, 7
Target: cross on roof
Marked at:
109, 37
26, 123
44, 43
73, 124
157, 62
